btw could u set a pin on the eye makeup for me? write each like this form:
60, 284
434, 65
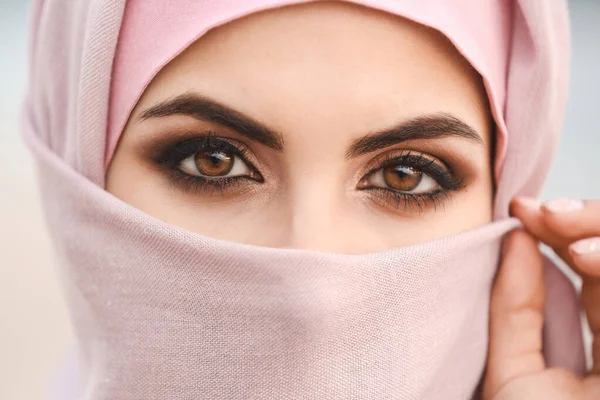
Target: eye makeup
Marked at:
173, 159
393, 179
408, 171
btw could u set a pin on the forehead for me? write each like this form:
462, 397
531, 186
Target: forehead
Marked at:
337, 62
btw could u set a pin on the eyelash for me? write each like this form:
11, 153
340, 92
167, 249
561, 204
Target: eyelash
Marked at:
175, 154
421, 162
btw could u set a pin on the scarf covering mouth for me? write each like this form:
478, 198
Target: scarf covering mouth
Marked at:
162, 313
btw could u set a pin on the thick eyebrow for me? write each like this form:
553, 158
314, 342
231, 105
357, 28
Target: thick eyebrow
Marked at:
205, 109
434, 126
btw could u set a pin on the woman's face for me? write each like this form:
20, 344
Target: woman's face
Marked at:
323, 126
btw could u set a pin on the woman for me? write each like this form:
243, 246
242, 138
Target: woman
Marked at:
261, 199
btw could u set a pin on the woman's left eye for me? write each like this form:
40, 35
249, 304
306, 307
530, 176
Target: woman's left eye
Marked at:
401, 178
410, 179
213, 163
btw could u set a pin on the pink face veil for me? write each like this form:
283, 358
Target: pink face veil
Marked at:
162, 313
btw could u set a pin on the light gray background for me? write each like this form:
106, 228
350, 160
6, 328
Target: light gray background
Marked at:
34, 327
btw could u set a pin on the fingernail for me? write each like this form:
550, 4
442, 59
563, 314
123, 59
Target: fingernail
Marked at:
564, 205
529, 202
586, 246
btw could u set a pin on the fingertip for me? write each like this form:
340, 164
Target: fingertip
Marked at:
527, 204
527, 209
585, 246
561, 206
564, 218
585, 254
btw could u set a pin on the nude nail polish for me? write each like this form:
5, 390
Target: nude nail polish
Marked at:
586, 246
530, 202
564, 205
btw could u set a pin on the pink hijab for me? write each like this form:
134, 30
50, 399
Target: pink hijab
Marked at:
162, 313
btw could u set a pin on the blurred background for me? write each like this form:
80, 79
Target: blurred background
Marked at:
34, 326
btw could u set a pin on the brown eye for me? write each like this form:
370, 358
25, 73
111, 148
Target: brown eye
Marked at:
401, 178
214, 163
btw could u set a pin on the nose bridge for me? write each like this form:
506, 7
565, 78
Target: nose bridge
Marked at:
317, 210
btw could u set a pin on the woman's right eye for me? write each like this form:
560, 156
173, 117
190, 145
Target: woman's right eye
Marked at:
209, 164
214, 164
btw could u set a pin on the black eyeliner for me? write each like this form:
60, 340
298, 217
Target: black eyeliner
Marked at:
172, 155
428, 165
443, 175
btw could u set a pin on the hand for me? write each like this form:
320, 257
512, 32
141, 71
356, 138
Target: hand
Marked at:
516, 368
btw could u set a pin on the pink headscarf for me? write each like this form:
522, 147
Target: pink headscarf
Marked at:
162, 313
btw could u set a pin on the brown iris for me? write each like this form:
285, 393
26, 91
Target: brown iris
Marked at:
214, 163
401, 178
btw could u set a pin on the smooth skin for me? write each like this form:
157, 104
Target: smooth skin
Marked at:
516, 367
345, 73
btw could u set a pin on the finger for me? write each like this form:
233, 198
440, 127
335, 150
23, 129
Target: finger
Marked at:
529, 211
572, 219
590, 297
558, 222
516, 314
559, 229
552, 227
586, 255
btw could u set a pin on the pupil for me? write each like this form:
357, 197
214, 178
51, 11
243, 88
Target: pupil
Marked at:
402, 172
216, 159
402, 178
214, 163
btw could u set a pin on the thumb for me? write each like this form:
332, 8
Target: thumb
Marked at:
516, 314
